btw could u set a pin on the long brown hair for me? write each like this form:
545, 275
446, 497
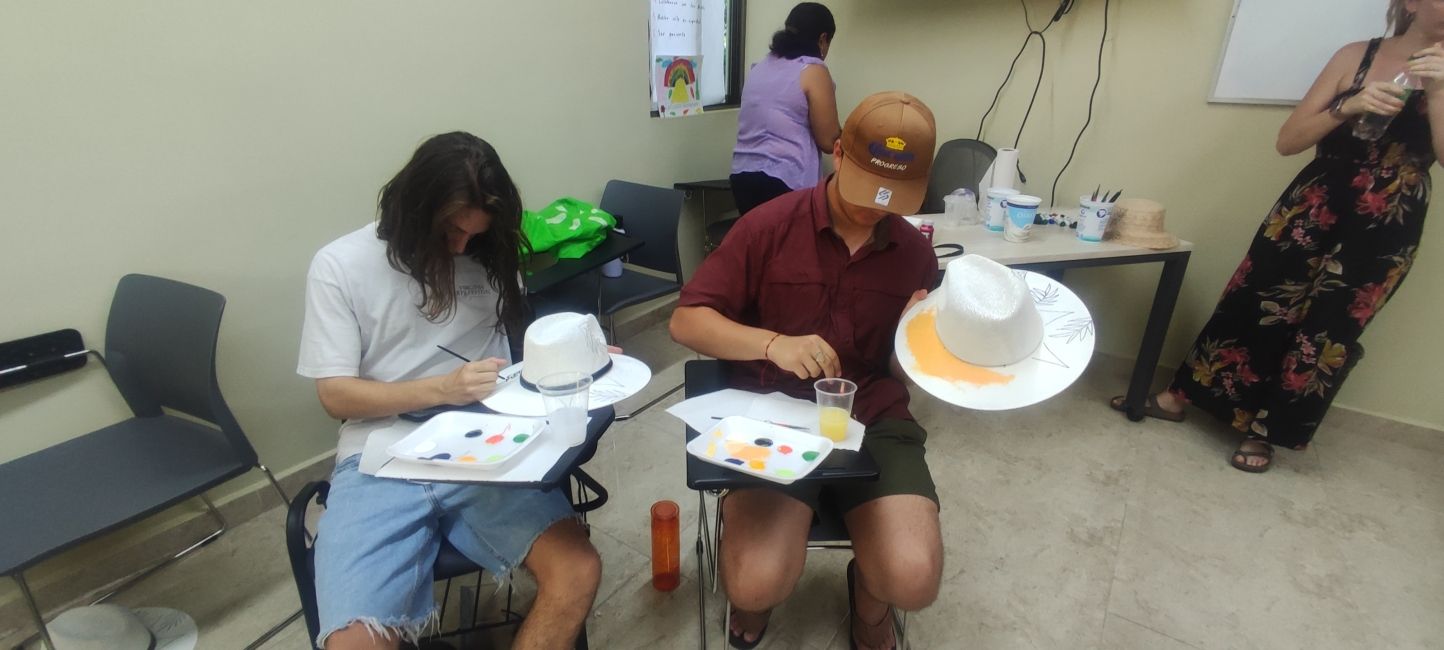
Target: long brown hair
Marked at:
1399, 17
448, 173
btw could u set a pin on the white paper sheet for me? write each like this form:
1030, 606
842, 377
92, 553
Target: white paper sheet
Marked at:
699, 412
530, 466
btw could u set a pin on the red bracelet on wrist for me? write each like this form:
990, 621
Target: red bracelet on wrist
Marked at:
767, 350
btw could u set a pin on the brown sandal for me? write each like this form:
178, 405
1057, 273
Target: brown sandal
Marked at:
1239, 457
1150, 409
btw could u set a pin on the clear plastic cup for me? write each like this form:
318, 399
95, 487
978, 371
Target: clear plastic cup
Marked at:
565, 396
834, 407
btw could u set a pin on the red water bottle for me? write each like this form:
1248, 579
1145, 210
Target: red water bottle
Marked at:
666, 546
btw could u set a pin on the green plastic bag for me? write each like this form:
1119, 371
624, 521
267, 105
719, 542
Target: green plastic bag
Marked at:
568, 227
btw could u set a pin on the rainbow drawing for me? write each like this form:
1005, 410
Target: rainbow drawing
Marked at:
681, 77
675, 80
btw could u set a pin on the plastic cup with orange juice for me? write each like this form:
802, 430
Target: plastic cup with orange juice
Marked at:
834, 407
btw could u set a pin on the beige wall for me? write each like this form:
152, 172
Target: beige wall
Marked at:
223, 142
1153, 134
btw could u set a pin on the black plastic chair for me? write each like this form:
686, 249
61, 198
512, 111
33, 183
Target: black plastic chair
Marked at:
650, 214
160, 351
586, 495
958, 163
827, 533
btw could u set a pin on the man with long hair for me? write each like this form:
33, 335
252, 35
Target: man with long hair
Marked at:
439, 268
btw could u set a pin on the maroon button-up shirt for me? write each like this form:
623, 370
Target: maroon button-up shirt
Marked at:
783, 268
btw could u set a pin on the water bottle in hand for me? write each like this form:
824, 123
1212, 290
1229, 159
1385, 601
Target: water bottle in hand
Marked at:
1371, 126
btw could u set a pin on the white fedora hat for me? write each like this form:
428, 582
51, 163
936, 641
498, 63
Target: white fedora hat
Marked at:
991, 338
112, 627
568, 342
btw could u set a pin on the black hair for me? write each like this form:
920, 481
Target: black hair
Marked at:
447, 174
806, 23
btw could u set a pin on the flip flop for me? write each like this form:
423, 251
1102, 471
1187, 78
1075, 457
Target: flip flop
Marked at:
737, 641
1150, 408
1239, 457
852, 607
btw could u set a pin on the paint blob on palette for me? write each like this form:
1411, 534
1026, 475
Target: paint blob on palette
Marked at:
767, 451
464, 439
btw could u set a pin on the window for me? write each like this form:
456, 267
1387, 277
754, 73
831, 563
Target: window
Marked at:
712, 29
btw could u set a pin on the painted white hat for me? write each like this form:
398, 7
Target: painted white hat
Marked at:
568, 342
992, 338
112, 627
564, 342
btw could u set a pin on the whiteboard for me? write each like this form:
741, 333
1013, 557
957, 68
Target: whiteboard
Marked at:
1274, 49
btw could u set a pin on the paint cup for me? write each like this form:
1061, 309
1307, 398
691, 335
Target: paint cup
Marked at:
997, 212
1022, 211
834, 407
1093, 218
564, 395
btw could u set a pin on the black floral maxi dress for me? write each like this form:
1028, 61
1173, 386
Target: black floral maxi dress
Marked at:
1332, 251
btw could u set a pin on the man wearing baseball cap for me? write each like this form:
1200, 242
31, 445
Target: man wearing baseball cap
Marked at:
810, 285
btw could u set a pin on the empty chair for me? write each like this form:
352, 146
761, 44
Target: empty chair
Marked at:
650, 214
958, 163
160, 351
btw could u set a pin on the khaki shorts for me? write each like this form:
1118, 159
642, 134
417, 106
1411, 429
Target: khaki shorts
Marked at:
898, 447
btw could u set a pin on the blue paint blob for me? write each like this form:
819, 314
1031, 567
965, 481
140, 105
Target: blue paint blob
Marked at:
439, 457
763, 442
473, 433
735, 461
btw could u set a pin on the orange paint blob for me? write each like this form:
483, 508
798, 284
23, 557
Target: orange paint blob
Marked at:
934, 359
747, 452
466, 459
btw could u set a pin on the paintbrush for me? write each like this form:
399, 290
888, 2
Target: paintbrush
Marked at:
1115, 196
502, 376
780, 424
1095, 193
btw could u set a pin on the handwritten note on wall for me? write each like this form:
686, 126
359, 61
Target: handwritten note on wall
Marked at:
676, 27
696, 29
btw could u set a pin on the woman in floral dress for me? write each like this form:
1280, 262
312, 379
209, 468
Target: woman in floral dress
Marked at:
1332, 251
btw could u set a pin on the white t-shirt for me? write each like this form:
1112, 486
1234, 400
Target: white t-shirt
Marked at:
362, 321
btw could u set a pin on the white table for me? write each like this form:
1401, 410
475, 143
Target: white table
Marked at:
1052, 250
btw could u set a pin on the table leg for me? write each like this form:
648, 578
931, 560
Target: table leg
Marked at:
701, 572
1159, 316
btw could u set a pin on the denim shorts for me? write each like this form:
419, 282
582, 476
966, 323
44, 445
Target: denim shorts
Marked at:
379, 537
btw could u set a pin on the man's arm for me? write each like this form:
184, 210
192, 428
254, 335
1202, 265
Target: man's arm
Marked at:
348, 398
706, 330
892, 363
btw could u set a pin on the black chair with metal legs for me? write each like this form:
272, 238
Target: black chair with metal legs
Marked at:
828, 531
160, 352
958, 164
651, 215
586, 496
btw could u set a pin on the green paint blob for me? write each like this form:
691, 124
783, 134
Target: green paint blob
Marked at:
493, 458
521, 437
784, 473
809, 456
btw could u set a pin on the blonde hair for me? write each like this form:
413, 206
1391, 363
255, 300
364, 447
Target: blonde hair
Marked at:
1399, 17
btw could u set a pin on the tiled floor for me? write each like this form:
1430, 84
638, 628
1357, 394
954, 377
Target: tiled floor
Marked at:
1065, 525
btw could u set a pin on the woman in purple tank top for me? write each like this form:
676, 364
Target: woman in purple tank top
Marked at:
789, 111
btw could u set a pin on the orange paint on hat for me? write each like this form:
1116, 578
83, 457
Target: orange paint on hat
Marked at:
934, 359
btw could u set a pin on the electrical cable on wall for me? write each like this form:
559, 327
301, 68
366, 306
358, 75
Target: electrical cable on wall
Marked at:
1064, 6
1052, 195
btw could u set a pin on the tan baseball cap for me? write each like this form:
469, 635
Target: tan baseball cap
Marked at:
887, 152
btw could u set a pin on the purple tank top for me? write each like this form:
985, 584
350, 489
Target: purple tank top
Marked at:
773, 132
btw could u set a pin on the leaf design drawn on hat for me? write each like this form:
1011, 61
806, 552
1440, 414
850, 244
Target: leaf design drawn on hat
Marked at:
1077, 329
1046, 296
1046, 355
